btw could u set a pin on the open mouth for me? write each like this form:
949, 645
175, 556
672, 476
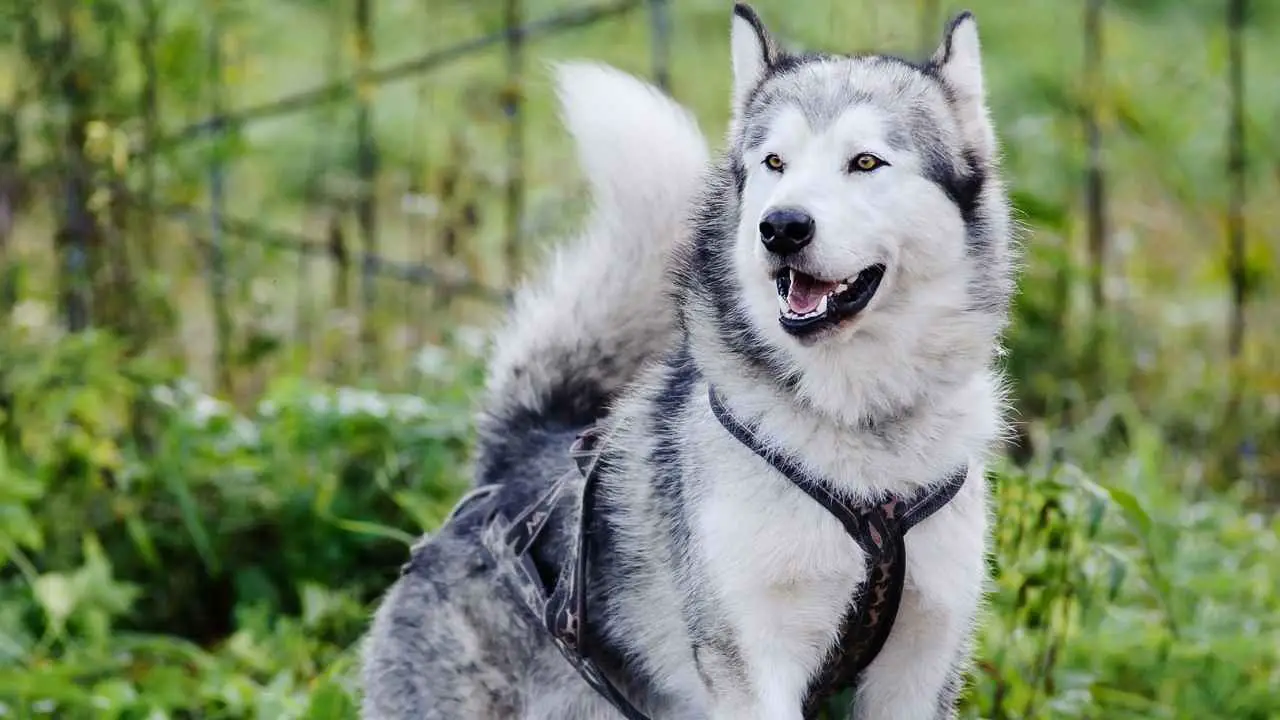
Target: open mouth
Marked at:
808, 304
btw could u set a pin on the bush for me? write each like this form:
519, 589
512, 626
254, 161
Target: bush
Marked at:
168, 554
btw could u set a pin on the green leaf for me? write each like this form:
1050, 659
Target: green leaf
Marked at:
141, 537
58, 597
1119, 570
363, 527
330, 702
175, 481
1133, 509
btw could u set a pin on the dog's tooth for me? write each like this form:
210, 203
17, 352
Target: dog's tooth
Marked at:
822, 306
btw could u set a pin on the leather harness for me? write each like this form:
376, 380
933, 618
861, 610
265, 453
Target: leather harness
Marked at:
878, 528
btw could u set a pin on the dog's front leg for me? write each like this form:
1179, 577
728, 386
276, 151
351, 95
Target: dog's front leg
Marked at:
754, 709
919, 672
916, 676
733, 693
740, 689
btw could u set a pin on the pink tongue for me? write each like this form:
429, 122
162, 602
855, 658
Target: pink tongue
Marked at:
806, 292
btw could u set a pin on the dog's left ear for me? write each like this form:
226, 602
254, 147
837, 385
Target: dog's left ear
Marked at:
958, 62
753, 52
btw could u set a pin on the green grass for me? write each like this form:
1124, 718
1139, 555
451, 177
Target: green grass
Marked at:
166, 554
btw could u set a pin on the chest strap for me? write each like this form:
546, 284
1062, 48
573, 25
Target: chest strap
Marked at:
880, 530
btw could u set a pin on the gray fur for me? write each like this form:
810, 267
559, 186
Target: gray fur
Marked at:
685, 513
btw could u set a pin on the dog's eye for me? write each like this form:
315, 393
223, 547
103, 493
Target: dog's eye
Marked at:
773, 162
865, 162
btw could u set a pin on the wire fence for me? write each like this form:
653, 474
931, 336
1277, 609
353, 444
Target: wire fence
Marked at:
88, 240
83, 228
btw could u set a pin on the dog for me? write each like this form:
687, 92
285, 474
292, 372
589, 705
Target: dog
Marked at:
815, 313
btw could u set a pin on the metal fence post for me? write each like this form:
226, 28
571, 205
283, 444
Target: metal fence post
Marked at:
1095, 180
73, 237
367, 169
512, 100
217, 206
150, 127
1236, 175
660, 19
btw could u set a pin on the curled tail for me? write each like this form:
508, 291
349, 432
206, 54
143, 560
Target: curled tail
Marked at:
586, 323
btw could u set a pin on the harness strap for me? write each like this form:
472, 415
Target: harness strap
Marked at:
562, 610
880, 530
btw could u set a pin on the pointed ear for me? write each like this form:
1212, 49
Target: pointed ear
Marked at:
753, 51
959, 64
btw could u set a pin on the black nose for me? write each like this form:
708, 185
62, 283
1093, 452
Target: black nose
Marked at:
786, 231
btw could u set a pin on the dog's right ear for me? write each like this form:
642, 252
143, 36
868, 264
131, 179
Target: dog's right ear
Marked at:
753, 52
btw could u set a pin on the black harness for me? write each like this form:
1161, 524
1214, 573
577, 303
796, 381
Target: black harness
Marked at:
879, 529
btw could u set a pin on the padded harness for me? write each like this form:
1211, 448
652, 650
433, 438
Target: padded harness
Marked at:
878, 528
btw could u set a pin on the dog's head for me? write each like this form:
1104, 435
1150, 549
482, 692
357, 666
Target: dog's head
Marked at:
871, 227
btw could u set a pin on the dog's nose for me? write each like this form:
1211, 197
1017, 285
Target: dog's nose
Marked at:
786, 231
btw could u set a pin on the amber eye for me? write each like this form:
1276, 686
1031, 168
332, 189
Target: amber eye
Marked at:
865, 162
773, 162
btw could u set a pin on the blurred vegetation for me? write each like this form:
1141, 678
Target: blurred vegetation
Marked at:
204, 489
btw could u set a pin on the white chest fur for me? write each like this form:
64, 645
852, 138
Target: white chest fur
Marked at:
784, 571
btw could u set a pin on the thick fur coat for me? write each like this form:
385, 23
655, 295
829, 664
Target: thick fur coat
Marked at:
717, 587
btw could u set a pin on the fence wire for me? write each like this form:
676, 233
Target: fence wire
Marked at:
80, 236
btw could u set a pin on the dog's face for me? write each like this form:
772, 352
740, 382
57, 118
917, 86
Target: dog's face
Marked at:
861, 186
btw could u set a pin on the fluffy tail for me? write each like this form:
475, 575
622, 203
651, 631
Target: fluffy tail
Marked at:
586, 324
